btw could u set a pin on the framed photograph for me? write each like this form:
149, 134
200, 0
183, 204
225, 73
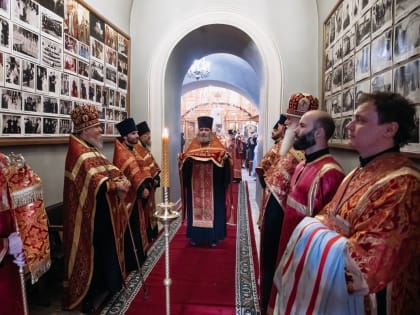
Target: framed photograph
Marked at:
5, 41
51, 25
25, 42
381, 15
28, 75
403, 7
51, 54
381, 54
32, 125
362, 63
12, 75
5, 8
58, 54
407, 34
382, 82
363, 29
407, 80
26, 12
97, 27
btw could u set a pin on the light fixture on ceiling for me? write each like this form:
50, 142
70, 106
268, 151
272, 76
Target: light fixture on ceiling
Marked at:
200, 69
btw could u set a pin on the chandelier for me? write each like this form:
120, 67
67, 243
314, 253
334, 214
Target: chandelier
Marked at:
200, 69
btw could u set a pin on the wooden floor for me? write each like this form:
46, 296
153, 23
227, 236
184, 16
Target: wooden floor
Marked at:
45, 297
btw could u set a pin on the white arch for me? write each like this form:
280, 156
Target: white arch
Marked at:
271, 92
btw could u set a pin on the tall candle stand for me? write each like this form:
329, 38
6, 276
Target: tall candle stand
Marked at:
166, 214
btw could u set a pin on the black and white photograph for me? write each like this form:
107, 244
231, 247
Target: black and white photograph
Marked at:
328, 60
54, 78
65, 84
328, 83
51, 25
11, 100
359, 7
32, 102
363, 29
327, 31
123, 100
361, 87
96, 71
74, 86
1, 68
111, 37
348, 102
118, 99
381, 52
51, 53
338, 19
407, 37
5, 41
362, 63
97, 27
71, 25
123, 81
11, 124
12, 68
347, 14
337, 78
336, 105
83, 89
98, 93
28, 75
123, 45
336, 137
26, 12
66, 106
83, 51
25, 42
5, 8
348, 72
83, 69
111, 97
105, 96
117, 115
41, 79
122, 64
109, 114
32, 125
337, 49
65, 126
407, 80
111, 77
56, 6
97, 49
110, 57
92, 92
382, 82
403, 7
124, 115
50, 105
109, 129
348, 43
381, 15
343, 127
49, 125
70, 44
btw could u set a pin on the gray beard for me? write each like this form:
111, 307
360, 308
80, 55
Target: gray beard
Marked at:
204, 139
98, 144
288, 140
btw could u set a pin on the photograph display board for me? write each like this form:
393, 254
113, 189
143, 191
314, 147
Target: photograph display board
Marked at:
54, 56
368, 46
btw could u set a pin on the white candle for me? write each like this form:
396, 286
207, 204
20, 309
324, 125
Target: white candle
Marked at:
165, 158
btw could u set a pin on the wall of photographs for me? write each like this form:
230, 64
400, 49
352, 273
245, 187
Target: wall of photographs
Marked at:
55, 55
371, 45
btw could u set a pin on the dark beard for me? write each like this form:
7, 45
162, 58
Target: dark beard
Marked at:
306, 141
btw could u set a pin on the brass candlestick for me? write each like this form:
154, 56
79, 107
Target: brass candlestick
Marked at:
166, 214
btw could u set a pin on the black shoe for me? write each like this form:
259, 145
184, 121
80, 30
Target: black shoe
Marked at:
87, 307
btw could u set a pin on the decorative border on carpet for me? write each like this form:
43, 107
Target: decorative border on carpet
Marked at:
246, 287
121, 301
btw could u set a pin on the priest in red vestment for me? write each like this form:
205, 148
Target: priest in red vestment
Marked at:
376, 208
277, 179
21, 210
205, 175
150, 165
131, 164
95, 216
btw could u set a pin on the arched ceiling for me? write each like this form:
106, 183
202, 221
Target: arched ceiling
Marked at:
235, 60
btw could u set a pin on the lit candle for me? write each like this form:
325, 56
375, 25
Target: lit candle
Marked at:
165, 158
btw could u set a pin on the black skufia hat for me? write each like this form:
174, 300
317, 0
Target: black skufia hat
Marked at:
126, 126
142, 128
205, 122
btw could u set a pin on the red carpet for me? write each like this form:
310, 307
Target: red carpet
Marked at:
203, 278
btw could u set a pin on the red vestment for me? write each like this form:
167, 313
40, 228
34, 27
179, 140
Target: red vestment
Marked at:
377, 207
312, 186
131, 165
86, 169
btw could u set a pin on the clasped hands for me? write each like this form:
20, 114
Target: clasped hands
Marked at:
122, 184
16, 249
